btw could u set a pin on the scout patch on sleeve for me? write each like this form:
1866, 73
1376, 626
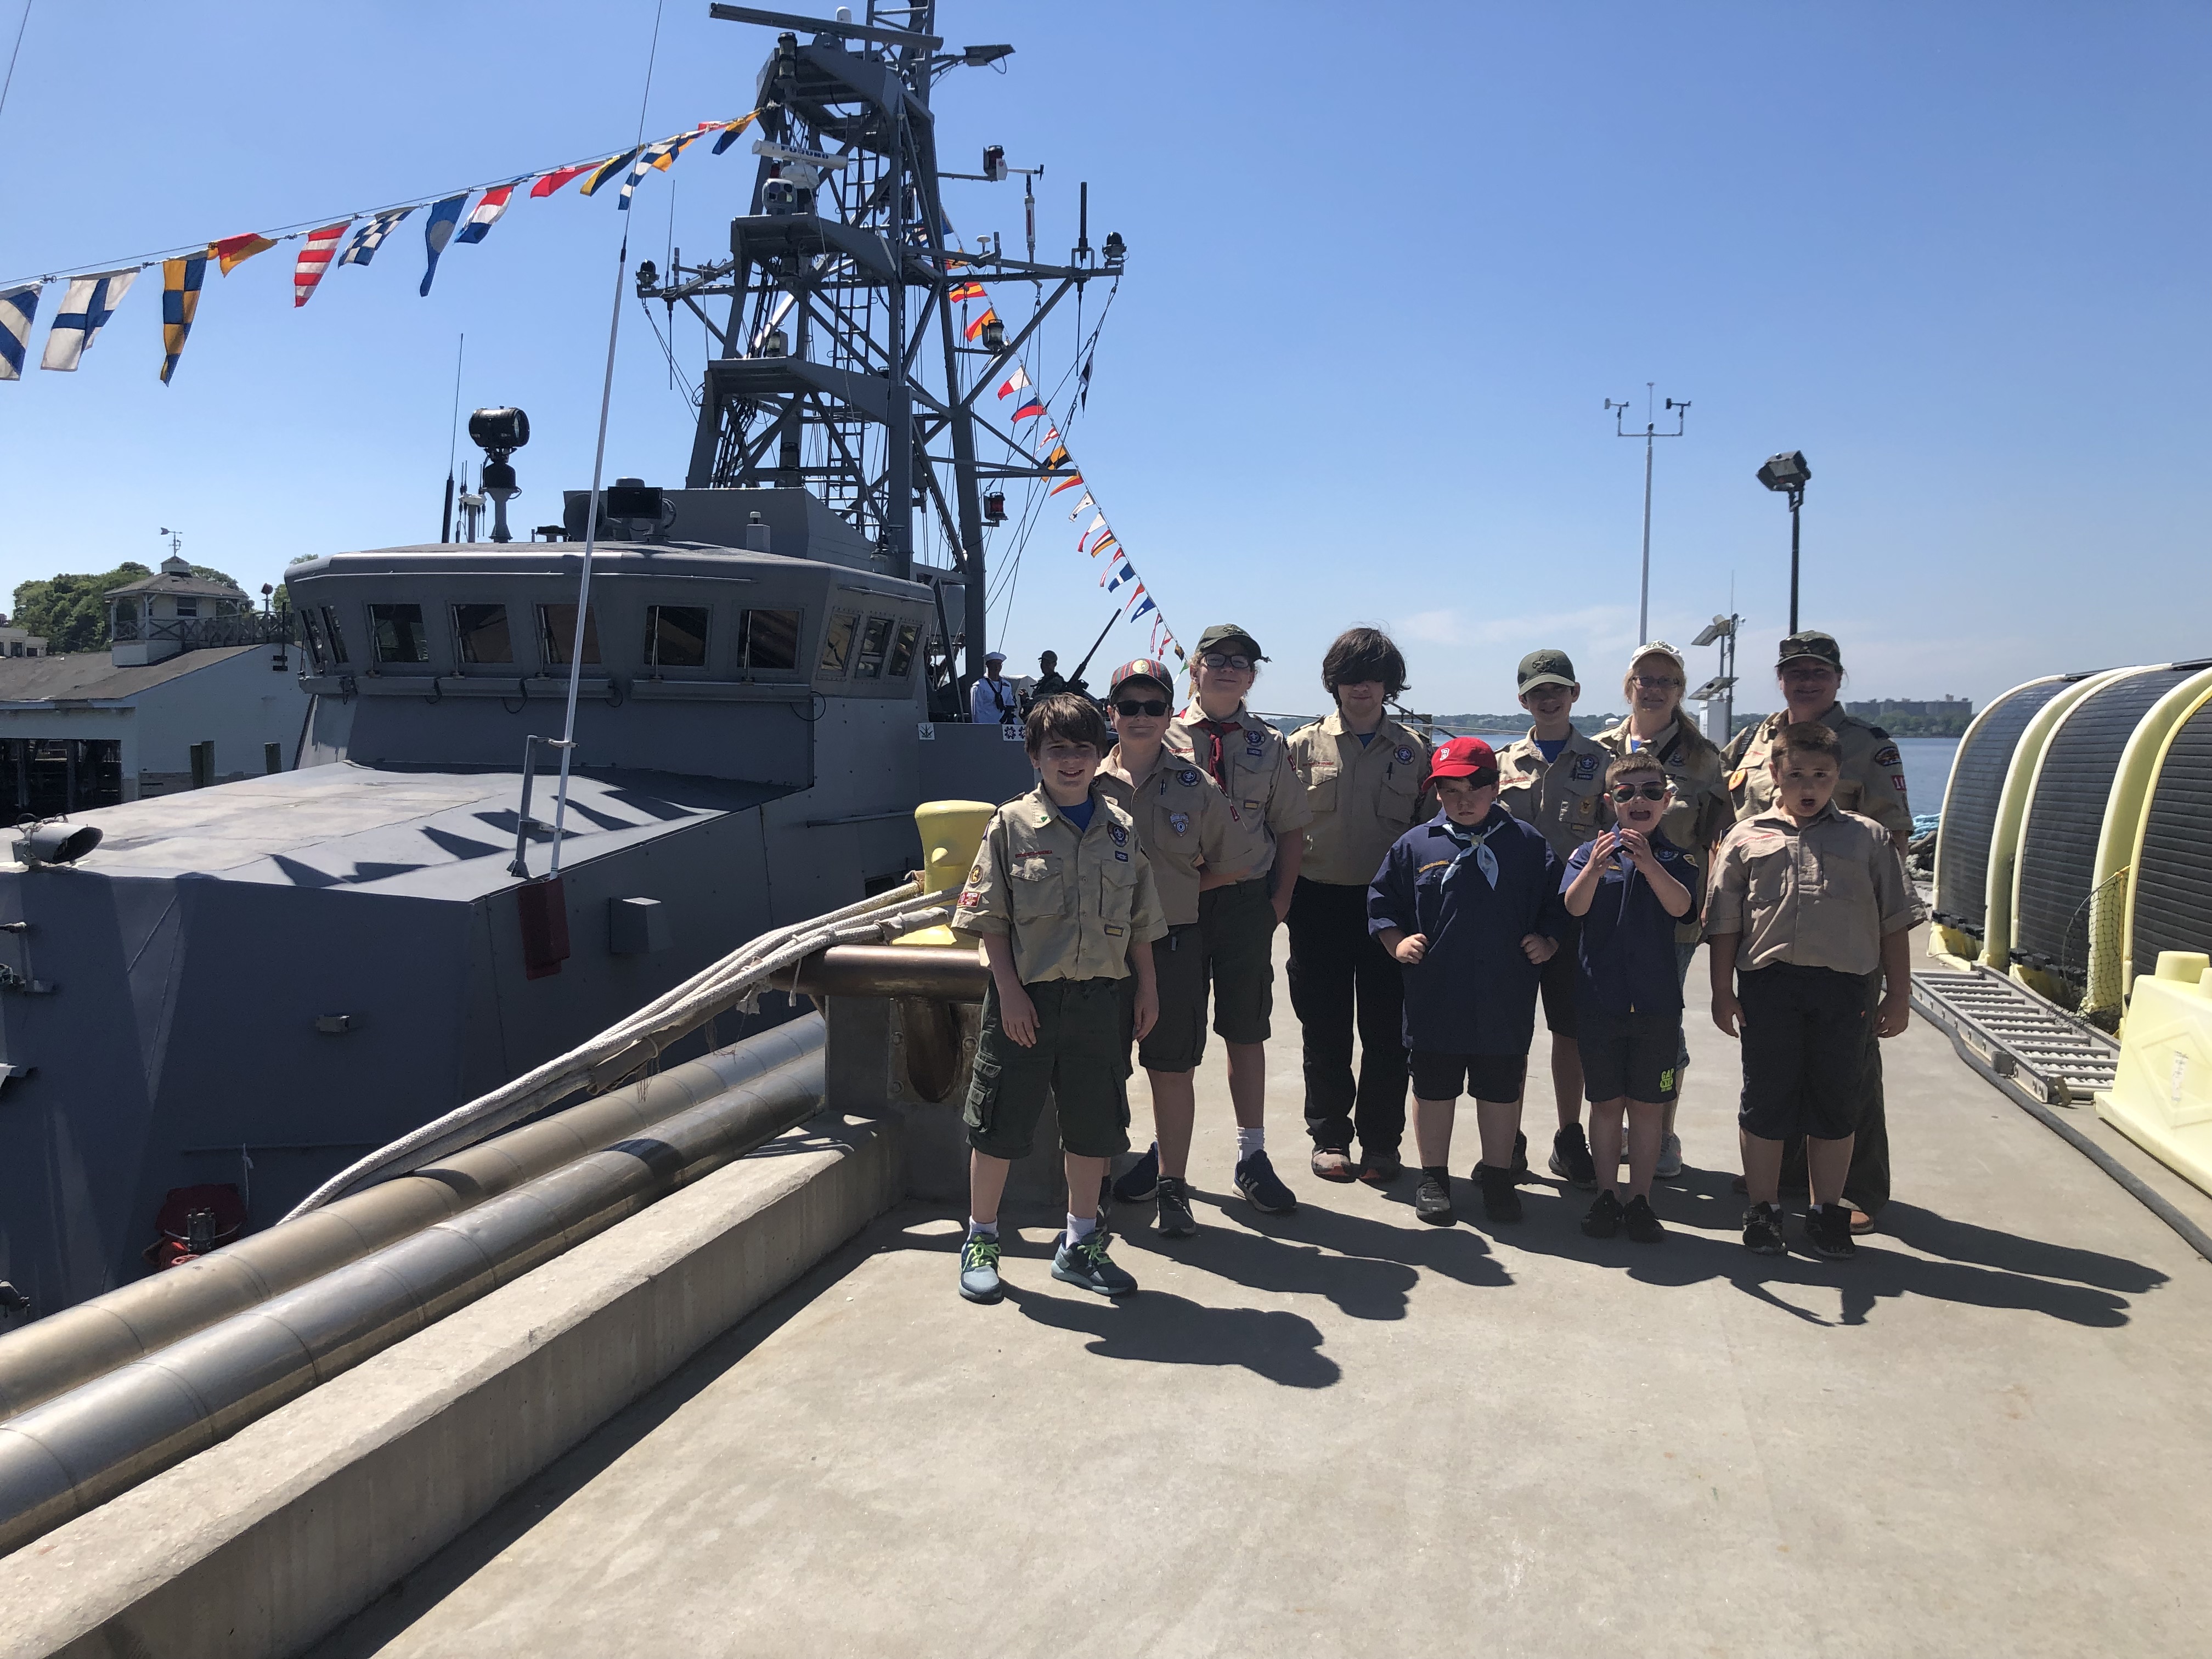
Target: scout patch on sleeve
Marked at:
971, 900
1735, 778
1887, 757
1187, 777
1405, 756
1897, 779
1120, 835
1180, 823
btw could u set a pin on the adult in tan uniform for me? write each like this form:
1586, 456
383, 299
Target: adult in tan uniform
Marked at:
1242, 899
1364, 774
1697, 817
1809, 669
1185, 827
1554, 779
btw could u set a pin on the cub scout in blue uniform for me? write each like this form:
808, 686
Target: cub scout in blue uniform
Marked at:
1063, 899
1186, 827
1469, 903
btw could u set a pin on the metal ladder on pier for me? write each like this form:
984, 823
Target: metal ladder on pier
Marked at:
2016, 1035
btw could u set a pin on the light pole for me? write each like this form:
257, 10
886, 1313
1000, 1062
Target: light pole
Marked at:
1649, 434
1787, 473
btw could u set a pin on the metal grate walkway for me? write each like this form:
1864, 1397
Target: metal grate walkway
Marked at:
2017, 1033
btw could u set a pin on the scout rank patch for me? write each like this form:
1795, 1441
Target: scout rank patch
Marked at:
1180, 823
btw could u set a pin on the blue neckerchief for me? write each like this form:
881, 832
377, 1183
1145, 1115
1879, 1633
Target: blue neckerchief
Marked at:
1470, 841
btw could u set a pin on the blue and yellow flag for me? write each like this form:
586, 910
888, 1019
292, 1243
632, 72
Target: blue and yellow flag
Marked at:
609, 168
180, 298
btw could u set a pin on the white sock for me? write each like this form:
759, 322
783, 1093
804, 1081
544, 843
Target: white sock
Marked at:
1251, 1141
1080, 1227
981, 1229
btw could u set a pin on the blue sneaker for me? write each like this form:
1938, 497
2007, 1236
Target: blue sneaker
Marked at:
1263, 1188
1142, 1181
1087, 1264
979, 1269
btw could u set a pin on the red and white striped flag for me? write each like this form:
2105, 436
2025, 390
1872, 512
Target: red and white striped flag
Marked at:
485, 214
315, 259
1015, 381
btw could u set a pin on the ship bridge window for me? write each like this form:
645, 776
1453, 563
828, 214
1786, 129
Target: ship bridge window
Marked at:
837, 645
311, 630
676, 636
482, 631
556, 634
336, 635
770, 640
396, 634
901, 662
875, 646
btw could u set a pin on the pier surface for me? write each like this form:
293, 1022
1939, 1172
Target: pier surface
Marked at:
1339, 1431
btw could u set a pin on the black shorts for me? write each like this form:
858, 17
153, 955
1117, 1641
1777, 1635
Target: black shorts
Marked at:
1806, 1033
1629, 1056
1080, 1058
1176, 1041
1486, 1076
1237, 926
1556, 979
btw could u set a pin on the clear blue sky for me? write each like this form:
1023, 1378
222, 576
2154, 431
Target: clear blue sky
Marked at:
1386, 262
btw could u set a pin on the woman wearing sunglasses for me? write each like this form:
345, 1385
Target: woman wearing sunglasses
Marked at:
1699, 814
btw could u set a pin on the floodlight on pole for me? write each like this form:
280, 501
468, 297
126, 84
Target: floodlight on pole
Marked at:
1786, 474
1649, 434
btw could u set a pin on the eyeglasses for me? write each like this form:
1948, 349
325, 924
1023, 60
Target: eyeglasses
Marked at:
1216, 659
1628, 792
1655, 682
1151, 708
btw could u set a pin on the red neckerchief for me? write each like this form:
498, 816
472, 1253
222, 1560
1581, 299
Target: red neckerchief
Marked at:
1218, 730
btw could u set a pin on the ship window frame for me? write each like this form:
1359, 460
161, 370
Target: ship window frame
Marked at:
338, 656
842, 668
906, 646
873, 647
654, 662
746, 665
378, 622
311, 635
463, 636
553, 647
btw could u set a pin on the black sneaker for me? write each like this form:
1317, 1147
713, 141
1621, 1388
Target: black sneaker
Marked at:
1499, 1201
1762, 1230
1174, 1216
1520, 1155
1603, 1220
1641, 1222
1263, 1188
1432, 1200
1828, 1230
1570, 1158
1381, 1169
1141, 1180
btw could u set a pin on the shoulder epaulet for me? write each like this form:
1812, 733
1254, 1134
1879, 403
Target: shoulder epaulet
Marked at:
1879, 733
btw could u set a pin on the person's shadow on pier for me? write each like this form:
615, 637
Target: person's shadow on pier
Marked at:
1163, 1328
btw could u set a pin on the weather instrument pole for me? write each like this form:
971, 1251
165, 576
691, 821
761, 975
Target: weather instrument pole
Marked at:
1649, 434
1786, 474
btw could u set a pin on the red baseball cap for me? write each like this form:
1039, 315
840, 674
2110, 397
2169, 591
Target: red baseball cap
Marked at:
1142, 668
1465, 757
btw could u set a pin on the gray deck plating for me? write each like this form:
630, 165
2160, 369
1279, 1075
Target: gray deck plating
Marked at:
1343, 1431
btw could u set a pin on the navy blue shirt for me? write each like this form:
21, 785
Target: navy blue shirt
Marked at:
1626, 955
1474, 992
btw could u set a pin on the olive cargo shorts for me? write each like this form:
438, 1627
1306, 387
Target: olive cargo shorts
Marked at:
1080, 1057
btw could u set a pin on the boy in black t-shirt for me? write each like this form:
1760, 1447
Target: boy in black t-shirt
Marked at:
1631, 887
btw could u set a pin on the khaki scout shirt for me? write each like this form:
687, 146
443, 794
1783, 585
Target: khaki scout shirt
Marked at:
1701, 812
1071, 903
1821, 895
1363, 796
1183, 824
1564, 799
1872, 780
1263, 791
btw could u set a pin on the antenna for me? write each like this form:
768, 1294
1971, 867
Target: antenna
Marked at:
1617, 409
452, 431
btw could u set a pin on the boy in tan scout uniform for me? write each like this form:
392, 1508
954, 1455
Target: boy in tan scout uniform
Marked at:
1561, 793
1185, 826
1808, 921
1364, 774
1063, 899
1870, 780
1242, 899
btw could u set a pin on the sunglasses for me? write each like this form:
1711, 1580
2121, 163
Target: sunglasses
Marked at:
1152, 708
1628, 792
1216, 659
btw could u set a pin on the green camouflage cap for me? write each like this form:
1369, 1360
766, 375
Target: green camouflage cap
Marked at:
1811, 643
1221, 633
1546, 668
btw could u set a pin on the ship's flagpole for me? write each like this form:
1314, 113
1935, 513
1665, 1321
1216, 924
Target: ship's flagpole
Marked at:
567, 744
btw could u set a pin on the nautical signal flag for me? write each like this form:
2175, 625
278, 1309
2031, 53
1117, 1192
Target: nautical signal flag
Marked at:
370, 237
603, 171
1104, 542
180, 298
1059, 457
86, 307
1015, 381
1148, 605
1030, 410
549, 182
967, 291
662, 154
485, 214
1111, 578
976, 327
1071, 480
18, 306
235, 250
730, 132
438, 231
314, 260
1076, 512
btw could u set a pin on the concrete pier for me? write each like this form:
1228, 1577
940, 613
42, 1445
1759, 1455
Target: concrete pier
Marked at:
1341, 1431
